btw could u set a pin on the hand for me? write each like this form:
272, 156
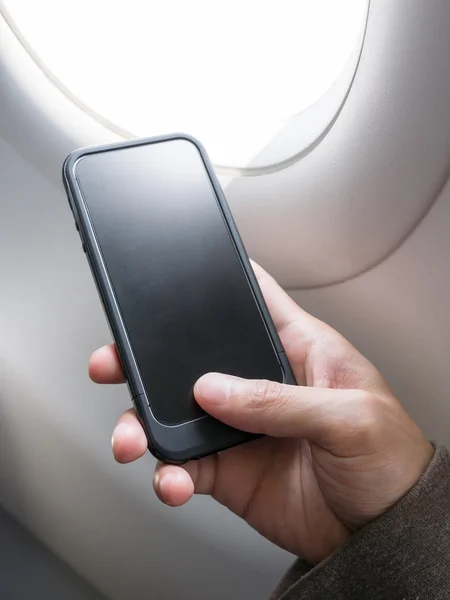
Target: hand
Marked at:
340, 449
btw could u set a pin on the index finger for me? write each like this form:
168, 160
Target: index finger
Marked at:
283, 310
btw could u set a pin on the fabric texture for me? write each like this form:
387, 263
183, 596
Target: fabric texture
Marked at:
403, 555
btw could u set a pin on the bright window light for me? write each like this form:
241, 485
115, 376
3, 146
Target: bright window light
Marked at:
230, 73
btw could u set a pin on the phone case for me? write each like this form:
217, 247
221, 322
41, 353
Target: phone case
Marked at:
195, 439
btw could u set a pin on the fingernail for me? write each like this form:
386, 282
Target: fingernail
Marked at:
214, 388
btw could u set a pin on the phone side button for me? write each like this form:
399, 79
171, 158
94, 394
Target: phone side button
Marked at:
289, 377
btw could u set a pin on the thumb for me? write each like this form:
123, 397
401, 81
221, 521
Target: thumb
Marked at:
322, 416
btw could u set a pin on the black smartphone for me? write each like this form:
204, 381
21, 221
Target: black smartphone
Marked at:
176, 284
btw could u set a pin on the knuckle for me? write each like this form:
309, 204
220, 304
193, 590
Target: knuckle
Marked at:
369, 422
265, 394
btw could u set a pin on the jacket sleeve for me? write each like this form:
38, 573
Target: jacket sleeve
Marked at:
403, 555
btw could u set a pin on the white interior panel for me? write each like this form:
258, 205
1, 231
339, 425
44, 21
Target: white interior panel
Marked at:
29, 570
349, 203
362, 202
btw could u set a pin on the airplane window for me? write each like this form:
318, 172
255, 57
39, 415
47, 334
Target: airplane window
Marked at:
230, 73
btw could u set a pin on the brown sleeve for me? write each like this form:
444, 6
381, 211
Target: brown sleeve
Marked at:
403, 555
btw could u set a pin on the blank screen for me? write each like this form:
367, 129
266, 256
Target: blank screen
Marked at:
176, 274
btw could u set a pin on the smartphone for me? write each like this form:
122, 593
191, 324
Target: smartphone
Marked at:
176, 285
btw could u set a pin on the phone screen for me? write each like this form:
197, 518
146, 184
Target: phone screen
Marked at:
178, 280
